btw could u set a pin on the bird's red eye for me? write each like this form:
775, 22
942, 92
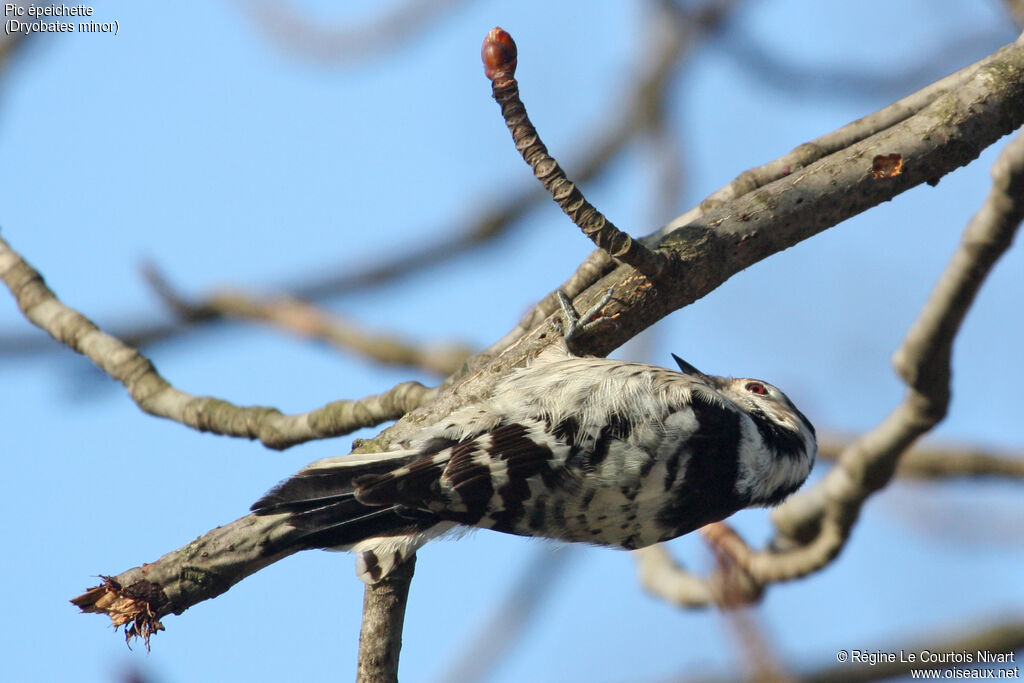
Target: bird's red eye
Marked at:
756, 388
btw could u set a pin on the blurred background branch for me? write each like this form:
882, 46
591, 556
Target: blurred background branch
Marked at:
627, 118
209, 157
309, 37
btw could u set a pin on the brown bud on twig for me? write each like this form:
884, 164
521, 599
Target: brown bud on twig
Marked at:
498, 53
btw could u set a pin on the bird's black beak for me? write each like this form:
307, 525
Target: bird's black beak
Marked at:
688, 369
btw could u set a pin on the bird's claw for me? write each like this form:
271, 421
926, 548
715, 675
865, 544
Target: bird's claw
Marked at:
574, 324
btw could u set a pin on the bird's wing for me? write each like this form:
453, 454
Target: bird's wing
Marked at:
480, 475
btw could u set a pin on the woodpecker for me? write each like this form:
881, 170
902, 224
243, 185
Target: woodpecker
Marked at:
578, 449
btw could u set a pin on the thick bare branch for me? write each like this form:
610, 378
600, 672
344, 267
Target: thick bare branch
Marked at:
830, 143
214, 562
155, 395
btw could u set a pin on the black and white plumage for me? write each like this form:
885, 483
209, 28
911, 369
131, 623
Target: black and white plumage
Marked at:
578, 449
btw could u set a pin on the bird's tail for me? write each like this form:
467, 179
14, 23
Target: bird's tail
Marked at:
322, 506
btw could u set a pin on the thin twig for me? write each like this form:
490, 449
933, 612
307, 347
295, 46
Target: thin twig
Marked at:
305, 319
663, 577
675, 30
1016, 10
312, 39
156, 396
811, 78
601, 147
729, 585
500, 58
943, 462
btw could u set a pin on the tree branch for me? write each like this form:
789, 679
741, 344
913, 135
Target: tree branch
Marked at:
285, 26
941, 137
305, 319
835, 141
949, 132
598, 264
795, 79
203, 569
819, 522
380, 638
664, 578
942, 462
156, 396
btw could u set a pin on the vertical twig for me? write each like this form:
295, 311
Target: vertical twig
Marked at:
500, 57
380, 638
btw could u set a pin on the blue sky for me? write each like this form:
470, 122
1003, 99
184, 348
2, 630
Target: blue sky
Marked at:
192, 141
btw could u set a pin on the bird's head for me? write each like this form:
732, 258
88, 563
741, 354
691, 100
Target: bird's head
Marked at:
778, 446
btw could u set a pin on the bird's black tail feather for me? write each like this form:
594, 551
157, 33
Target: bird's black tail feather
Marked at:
322, 507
